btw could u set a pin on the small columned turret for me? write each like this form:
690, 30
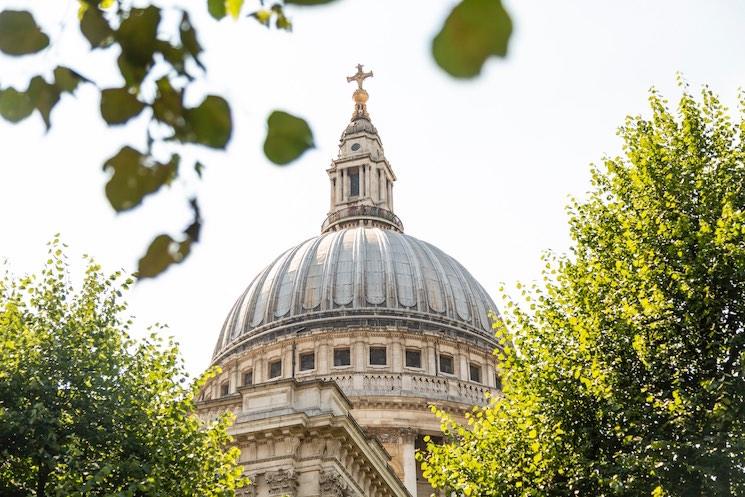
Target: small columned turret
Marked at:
361, 178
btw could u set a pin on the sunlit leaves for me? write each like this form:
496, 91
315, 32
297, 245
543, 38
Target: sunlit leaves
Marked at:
19, 33
287, 138
233, 7
474, 31
135, 175
626, 373
119, 105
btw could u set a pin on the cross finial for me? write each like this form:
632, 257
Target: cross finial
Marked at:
360, 76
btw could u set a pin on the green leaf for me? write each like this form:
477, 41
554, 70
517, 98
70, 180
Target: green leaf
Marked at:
162, 252
19, 33
474, 30
211, 122
137, 35
44, 97
165, 251
66, 79
96, 29
287, 137
168, 106
15, 106
118, 105
234, 7
189, 40
136, 175
216, 8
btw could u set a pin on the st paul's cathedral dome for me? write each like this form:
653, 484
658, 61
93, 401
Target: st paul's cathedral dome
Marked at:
332, 356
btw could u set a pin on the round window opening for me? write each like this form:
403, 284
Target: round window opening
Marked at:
355, 146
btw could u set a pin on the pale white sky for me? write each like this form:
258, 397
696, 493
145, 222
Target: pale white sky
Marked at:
484, 167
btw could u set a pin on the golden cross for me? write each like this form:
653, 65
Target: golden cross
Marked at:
360, 76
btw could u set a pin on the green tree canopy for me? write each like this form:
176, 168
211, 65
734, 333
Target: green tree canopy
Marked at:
87, 411
625, 373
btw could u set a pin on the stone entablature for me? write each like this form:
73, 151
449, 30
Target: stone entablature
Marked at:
299, 439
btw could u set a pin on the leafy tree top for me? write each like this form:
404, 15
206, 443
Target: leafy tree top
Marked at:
626, 375
87, 410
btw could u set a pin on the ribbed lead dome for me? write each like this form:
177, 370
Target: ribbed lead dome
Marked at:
359, 273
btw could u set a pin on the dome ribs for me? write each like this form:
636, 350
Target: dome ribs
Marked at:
261, 309
375, 277
457, 283
389, 271
329, 271
314, 284
284, 287
344, 275
303, 277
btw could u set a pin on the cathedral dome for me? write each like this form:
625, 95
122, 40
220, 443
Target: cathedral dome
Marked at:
357, 274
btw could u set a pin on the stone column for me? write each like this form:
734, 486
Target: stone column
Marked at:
338, 197
333, 193
408, 437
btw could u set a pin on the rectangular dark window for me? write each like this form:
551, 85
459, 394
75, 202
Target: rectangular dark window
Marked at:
446, 364
413, 358
307, 361
248, 378
475, 370
354, 183
378, 356
342, 357
275, 369
497, 381
224, 389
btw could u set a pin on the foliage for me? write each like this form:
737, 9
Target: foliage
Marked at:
624, 374
158, 55
86, 410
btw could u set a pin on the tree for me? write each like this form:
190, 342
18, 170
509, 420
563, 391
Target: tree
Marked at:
87, 410
158, 53
624, 374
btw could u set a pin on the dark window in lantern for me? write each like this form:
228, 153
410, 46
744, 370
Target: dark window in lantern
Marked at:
354, 181
307, 361
342, 357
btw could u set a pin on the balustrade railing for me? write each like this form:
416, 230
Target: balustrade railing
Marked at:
363, 211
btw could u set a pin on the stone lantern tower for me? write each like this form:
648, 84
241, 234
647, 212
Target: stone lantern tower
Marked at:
334, 352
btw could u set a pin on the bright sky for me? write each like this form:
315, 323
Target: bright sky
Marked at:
484, 167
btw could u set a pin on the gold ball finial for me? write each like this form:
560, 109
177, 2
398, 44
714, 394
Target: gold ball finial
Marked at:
360, 96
